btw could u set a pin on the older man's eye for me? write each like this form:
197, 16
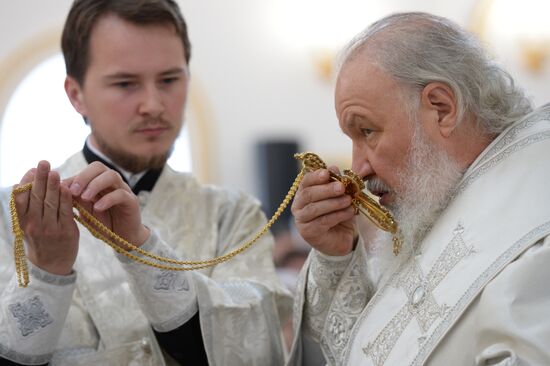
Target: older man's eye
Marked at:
366, 131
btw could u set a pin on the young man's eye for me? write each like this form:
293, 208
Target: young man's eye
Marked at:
169, 80
124, 84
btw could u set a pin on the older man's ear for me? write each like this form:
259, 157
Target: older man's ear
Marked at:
438, 104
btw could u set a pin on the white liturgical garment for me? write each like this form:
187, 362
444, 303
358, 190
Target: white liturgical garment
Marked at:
476, 290
104, 311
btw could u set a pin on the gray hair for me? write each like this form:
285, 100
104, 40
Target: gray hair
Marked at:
419, 48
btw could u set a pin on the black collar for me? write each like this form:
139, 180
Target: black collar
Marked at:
145, 183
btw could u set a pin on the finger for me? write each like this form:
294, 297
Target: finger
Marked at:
316, 193
325, 207
80, 182
334, 169
119, 197
28, 177
102, 184
22, 199
324, 223
38, 191
320, 176
51, 200
67, 182
65, 205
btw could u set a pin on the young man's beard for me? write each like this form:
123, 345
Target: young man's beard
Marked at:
131, 162
427, 185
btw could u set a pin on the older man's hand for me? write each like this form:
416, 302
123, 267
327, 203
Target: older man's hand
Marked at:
323, 213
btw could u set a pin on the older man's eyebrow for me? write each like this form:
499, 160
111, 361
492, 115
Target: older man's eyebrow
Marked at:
346, 125
353, 121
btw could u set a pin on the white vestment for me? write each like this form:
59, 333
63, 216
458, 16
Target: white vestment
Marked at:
475, 292
102, 313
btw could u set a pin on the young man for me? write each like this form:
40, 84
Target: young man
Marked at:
452, 147
127, 75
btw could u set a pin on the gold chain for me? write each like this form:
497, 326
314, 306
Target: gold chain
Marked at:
310, 162
103, 233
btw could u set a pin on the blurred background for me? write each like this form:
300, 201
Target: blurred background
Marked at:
261, 90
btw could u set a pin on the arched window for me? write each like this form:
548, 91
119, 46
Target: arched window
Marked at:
40, 123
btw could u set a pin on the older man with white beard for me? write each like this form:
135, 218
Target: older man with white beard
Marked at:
454, 149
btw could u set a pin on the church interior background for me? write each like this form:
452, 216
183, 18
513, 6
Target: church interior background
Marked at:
262, 84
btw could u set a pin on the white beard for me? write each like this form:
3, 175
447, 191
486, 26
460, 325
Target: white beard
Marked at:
428, 183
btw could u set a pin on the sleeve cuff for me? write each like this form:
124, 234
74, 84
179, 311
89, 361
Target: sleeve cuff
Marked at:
50, 278
32, 318
167, 297
325, 270
333, 258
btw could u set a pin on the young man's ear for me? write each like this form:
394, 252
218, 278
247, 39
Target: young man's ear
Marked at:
439, 100
74, 92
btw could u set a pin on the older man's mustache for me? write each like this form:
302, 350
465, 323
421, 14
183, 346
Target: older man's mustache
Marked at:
377, 187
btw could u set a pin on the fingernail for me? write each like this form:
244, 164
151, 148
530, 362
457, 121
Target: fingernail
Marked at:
338, 188
98, 206
75, 189
87, 194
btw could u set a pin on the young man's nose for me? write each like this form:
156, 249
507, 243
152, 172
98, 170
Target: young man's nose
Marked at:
152, 103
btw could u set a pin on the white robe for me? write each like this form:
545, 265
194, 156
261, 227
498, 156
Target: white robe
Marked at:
102, 313
475, 293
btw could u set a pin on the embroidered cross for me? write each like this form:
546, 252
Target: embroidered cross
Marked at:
421, 304
170, 281
30, 315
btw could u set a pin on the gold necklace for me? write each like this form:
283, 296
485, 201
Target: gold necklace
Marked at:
376, 213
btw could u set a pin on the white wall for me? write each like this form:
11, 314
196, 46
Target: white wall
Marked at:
255, 83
